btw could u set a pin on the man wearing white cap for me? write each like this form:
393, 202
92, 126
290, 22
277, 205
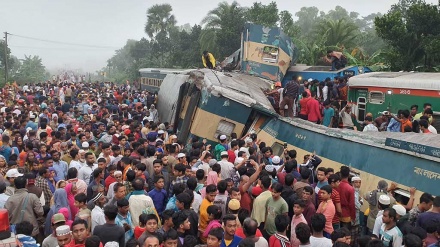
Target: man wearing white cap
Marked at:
64, 235
11, 175
31, 123
227, 168
222, 146
384, 203
358, 201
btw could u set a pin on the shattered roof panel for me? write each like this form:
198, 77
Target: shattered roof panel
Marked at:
242, 88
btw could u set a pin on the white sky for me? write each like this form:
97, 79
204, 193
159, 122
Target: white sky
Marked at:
109, 23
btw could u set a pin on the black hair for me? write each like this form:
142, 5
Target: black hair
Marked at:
412, 240
178, 188
81, 198
266, 181
308, 189
289, 179
246, 242
305, 173
79, 222
131, 175
97, 172
180, 168
327, 188
229, 217
302, 232
300, 202
185, 199
110, 211
222, 186
191, 183
216, 232
282, 222
2, 187
290, 165
426, 198
211, 188
93, 241
166, 215
191, 241
391, 213
151, 217
179, 218
334, 178
171, 234
200, 174
20, 182
216, 167
24, 227
215, 210
277, 187
157, 178
318, 222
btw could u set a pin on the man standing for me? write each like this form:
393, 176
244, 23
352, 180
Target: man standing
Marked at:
346, 193
275, 205
425, 204
227, 168
43, 183
110, 231
63, 236
139, 201
290, 94
98, 217
390, 234
208, 60
259, 206
80, 233
230, 225
59, 166
250, 227
86, 171
24, 206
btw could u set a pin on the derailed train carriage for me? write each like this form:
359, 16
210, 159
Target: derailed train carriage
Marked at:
210, 103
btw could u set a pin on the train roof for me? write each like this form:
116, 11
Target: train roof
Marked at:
164, 70
379, 139
241, 88
307, 68
411, 80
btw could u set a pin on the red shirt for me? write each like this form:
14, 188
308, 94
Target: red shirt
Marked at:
313, 112
346, 192
109, 180
138, 231
239, 232
275, 241
303, 105
246, 201
231, 156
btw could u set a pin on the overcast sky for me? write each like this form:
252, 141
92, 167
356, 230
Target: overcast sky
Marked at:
105, 25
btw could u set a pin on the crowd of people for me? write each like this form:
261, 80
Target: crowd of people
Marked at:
325, 103
91, 164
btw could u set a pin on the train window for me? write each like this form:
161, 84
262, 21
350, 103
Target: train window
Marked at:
224, 128
401, 196
376, 97
277, 148
270, 54
361, 108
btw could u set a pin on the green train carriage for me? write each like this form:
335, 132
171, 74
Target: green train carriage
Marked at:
392, 91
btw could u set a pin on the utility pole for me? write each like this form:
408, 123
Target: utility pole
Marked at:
6, 57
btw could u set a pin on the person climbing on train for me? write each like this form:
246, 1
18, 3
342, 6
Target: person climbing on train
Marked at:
337, 59
208, 60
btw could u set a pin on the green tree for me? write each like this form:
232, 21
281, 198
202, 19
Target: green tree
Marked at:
266, 15
31, 70
308, 17
412, 34
228, 21
287, 24
340, 32
159, 20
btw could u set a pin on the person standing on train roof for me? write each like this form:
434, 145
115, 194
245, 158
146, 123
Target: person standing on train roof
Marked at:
337, 59
208, 60
369, 126
329, 115
313, 111
290, 95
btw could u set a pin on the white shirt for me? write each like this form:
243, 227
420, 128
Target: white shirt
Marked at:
76, 164
138, 203
432, 129
98, 217
393, 234
227, 168
320, 242
262, 242
85, 172
378, 223
197, 202
370, 128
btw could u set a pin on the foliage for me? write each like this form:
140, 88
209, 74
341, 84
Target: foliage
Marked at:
31, 70
159, 20
412, 32
266, 15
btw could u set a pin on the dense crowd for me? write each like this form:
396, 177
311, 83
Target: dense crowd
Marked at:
325, 103
91, 164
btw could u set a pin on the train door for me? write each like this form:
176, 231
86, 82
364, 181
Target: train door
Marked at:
186, 107
360, 107
254, 122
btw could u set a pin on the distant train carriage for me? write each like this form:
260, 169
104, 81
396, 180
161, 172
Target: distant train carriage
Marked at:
392, 91
151, 78
304, 72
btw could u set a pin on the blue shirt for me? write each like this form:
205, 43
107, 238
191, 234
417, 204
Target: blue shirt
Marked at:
120, 220
393, 126
60, 169
159, 198
6, 151
234, 242
172, 204
33, 125
328, 114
